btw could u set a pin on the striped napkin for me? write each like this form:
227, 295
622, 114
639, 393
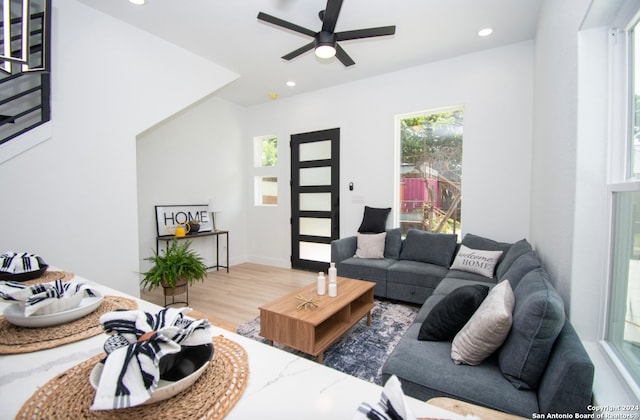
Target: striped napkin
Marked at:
19, 262
44, 298
137, 343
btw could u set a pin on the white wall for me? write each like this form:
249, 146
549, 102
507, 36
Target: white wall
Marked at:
110, 82
496, 89
555, 138
190, 158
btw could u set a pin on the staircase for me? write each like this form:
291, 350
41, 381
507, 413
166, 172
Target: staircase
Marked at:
25, 87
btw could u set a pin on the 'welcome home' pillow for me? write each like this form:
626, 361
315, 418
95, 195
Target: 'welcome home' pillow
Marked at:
476, 261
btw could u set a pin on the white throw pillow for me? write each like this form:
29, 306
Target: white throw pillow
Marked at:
477, 261
487, 329
370, 245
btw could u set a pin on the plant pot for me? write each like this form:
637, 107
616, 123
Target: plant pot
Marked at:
180, 288
195, 227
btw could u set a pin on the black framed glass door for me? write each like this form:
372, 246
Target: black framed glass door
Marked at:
315, 198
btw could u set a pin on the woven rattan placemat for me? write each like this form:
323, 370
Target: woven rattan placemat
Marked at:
14, 339
69, 395
48, 276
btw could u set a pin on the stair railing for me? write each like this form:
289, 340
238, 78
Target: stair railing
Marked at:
25, 85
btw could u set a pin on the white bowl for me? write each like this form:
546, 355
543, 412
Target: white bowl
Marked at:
14, 313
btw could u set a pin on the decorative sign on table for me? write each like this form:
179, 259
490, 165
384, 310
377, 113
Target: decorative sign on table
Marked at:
168, 217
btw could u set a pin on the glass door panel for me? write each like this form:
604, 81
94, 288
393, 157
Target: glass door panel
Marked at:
315, 202
318, 150
313, 226
315, 176
315, 252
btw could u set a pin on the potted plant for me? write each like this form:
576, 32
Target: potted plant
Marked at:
174, 269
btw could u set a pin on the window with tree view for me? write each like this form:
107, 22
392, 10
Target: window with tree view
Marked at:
431, 170
265, 159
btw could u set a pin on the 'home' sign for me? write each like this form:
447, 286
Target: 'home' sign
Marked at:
168, 217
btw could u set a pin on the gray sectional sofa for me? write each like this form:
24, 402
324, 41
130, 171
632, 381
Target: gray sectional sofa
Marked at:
541, 367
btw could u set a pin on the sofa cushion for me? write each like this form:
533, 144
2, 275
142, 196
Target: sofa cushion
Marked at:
520, 267
477, 261
538, 318
450, 314
516, 250
434, 248
374, 220
370, 245
416, 273
393, 243
369, 269
426, 371
487, 329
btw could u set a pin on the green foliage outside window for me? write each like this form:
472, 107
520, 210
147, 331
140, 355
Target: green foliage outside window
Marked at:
269, 150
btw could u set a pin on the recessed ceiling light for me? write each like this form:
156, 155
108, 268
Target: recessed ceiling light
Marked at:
291, 83
485, 32
137, 2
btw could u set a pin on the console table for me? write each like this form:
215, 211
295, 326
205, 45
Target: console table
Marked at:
214, 233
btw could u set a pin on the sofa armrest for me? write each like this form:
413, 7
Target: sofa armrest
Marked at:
343, 248
567, 383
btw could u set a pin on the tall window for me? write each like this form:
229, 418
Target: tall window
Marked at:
623, 321
430, 194
265, 159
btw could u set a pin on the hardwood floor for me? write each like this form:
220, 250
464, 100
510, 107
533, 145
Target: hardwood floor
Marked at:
234, 297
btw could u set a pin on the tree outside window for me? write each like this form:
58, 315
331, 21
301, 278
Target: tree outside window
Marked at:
265, 158
431, 171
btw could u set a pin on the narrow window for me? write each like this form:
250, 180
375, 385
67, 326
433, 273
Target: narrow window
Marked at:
265, 160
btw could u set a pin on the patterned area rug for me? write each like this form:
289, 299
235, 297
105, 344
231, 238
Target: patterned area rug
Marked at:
362, 351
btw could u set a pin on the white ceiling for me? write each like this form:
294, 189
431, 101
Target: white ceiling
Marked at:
228, 33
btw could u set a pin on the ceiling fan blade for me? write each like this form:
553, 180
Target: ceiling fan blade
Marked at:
344, 58
366, 33
284, 24
331, 15
299, 51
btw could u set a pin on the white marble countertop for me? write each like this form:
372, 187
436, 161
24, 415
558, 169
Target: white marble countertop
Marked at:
281, 385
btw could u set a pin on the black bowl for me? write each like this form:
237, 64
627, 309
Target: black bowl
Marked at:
176, 366
30, 275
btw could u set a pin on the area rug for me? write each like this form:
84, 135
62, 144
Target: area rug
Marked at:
362, 351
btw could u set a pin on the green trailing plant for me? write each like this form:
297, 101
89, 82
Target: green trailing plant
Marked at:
175, 264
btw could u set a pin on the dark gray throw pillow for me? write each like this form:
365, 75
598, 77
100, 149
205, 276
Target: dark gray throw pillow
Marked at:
374, 220
433, 248
393, 243
450, 314
538, 318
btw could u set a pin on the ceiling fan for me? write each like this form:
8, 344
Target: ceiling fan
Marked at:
325, 42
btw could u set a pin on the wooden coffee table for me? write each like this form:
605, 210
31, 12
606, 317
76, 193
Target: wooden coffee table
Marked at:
313, 330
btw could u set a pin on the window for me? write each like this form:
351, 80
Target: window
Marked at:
622, 332
265, 159
265, 151
430, 170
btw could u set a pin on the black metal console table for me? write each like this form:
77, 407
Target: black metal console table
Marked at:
216, 233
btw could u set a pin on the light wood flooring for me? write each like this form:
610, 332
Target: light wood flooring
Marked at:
235, 297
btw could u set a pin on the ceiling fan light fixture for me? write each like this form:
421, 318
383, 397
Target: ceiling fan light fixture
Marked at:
325, 51
485, 32
137, 2
325, 45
